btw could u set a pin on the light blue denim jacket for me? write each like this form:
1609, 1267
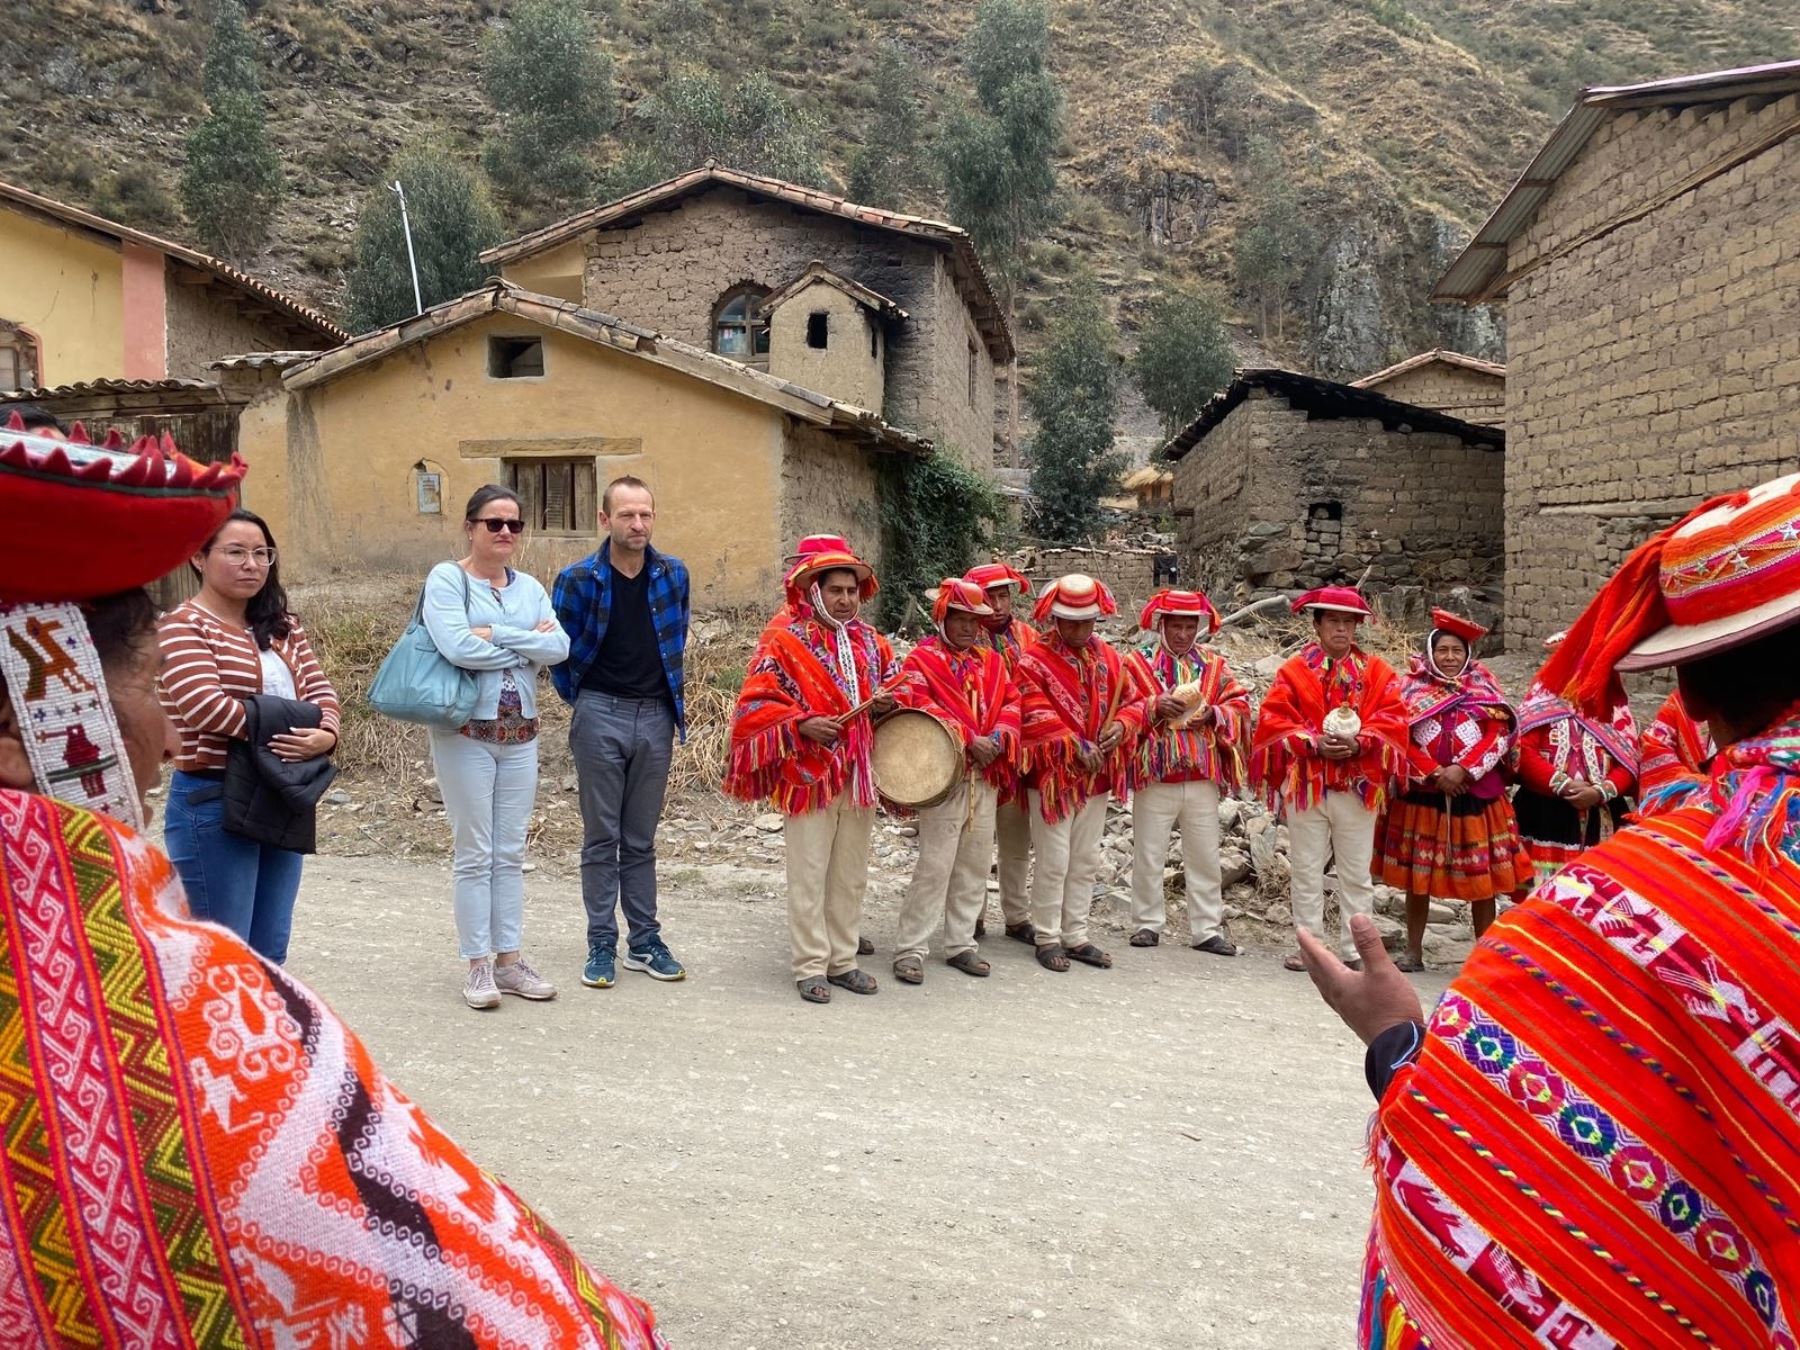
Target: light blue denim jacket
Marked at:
516, 644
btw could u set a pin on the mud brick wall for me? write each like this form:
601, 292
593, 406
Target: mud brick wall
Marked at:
1129, 573
669, 269
1457, 390
1274, 501
1654, 361
828, 486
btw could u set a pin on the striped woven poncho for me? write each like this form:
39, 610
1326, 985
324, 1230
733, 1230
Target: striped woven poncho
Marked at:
1599, 1144
1672, 758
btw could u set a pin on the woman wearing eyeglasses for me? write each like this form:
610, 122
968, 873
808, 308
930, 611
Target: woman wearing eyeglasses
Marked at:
235, 639
488, 617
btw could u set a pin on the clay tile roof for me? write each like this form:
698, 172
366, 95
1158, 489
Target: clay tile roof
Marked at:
260, 292
1327, 399
818, 272
1479, 274
1438, 355
85, 388
860, 425
971, 275
260, 360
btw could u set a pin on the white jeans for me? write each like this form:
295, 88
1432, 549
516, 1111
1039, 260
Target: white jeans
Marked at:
1012, 830
489, 791
1342, 826
827, 873
949, 882
1157, 810
1068, 859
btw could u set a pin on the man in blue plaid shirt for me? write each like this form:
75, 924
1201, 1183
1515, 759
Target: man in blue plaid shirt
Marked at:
625, 610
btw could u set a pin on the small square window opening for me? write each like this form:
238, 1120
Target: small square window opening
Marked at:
818, 330
514, 358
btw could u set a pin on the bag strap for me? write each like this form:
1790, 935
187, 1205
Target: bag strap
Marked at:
419, 605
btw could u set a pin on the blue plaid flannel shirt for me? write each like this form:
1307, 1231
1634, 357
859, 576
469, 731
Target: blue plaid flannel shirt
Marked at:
583, 599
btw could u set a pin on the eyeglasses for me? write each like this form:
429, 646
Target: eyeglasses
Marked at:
495, 524
258, 557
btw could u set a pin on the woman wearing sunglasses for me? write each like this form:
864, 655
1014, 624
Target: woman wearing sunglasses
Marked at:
486, 616
235, 639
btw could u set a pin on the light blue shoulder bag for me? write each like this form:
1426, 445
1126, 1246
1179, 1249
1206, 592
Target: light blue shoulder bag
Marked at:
417, 683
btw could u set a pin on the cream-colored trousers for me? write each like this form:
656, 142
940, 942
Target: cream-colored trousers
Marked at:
949, 883
1012, 828
1067, 859
827, 873
1342, 826
1156, 811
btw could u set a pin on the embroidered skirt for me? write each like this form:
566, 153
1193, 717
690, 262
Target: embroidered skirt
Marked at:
1557, 833
1460, 848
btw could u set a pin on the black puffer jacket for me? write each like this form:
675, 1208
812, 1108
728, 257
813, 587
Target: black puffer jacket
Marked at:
271, 800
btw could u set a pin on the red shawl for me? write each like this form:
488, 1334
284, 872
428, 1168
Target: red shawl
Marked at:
1285, 766
1066, 699
968, 691
1465, 721
1675, 750
792, 676
1213, 752
1555, 741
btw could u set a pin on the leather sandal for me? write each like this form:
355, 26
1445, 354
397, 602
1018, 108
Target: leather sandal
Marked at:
1022, 932
856, 981
813, 990
864, 947
969, 963
1051, 956
1146, 937
1089, 955
909, 970
1217, 945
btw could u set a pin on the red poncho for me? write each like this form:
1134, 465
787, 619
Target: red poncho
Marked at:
1066, 699
1672, 763
970, 692
1213, 752
1285, 765
794, 674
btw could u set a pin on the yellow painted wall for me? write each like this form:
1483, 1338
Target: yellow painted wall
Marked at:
556, 271
332, 467
67, 289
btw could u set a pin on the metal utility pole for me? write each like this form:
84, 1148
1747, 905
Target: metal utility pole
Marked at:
411, 261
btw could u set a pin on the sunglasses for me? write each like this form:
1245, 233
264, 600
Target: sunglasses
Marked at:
495, 524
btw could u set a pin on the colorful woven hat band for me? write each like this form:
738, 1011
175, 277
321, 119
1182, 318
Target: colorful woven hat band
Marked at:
1749, 556
801, 576
1075, 596
989, 575
958, 593
1173, 604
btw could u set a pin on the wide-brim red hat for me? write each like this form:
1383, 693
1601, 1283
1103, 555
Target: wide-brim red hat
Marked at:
1335, 599
1076, 597
992, 574
1169, 603
958, 593
104, 518
809, 568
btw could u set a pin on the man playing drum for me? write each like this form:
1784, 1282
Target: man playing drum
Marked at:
965, 685
1196, 725
1079, 721
1007, 636
801, 736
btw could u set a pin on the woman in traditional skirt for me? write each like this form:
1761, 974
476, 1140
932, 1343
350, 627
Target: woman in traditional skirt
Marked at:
1452, 833
1574, 774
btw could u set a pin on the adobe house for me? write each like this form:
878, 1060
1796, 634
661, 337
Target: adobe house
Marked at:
713, 259
362, 457
83, 298
1287, 481
1448, 382
1649, 261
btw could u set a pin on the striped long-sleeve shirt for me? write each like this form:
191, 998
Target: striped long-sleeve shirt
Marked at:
210, 667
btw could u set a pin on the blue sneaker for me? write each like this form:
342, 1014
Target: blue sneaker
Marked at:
598, 972
655, 961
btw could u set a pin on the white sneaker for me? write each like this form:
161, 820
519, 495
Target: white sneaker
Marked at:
519, 978
480, 992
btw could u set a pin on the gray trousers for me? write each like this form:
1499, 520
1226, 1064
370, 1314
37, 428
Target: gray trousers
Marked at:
622, 748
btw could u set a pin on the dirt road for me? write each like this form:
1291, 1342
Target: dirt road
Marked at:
1164, 1154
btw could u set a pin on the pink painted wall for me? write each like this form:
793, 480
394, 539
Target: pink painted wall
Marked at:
146, 318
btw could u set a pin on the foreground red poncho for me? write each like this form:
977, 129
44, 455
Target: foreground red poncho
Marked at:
1599, 1144
1066, 698
1283, 767
199, 1153
794, 675
971, 693
1672, 758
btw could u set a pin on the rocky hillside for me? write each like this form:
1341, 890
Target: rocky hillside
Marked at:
1400, 122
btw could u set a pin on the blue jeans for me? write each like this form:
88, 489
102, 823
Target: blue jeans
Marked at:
245, 886
622, 748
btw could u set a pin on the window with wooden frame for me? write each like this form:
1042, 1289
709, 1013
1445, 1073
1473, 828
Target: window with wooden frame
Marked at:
18, 358
740, 328
556, 496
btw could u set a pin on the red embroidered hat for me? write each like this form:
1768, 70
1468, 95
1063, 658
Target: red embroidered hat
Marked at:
811, 566
1075, 596
957, 593
819, 543
1725, 574
992, 574
1173, 604
1443, 621
107, 517
1338, 599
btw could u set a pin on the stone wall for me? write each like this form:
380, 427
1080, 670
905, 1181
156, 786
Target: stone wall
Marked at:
1452, 389
202, 324
668, 270
1272, 501
1129, 573
828, 486
1653, 361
